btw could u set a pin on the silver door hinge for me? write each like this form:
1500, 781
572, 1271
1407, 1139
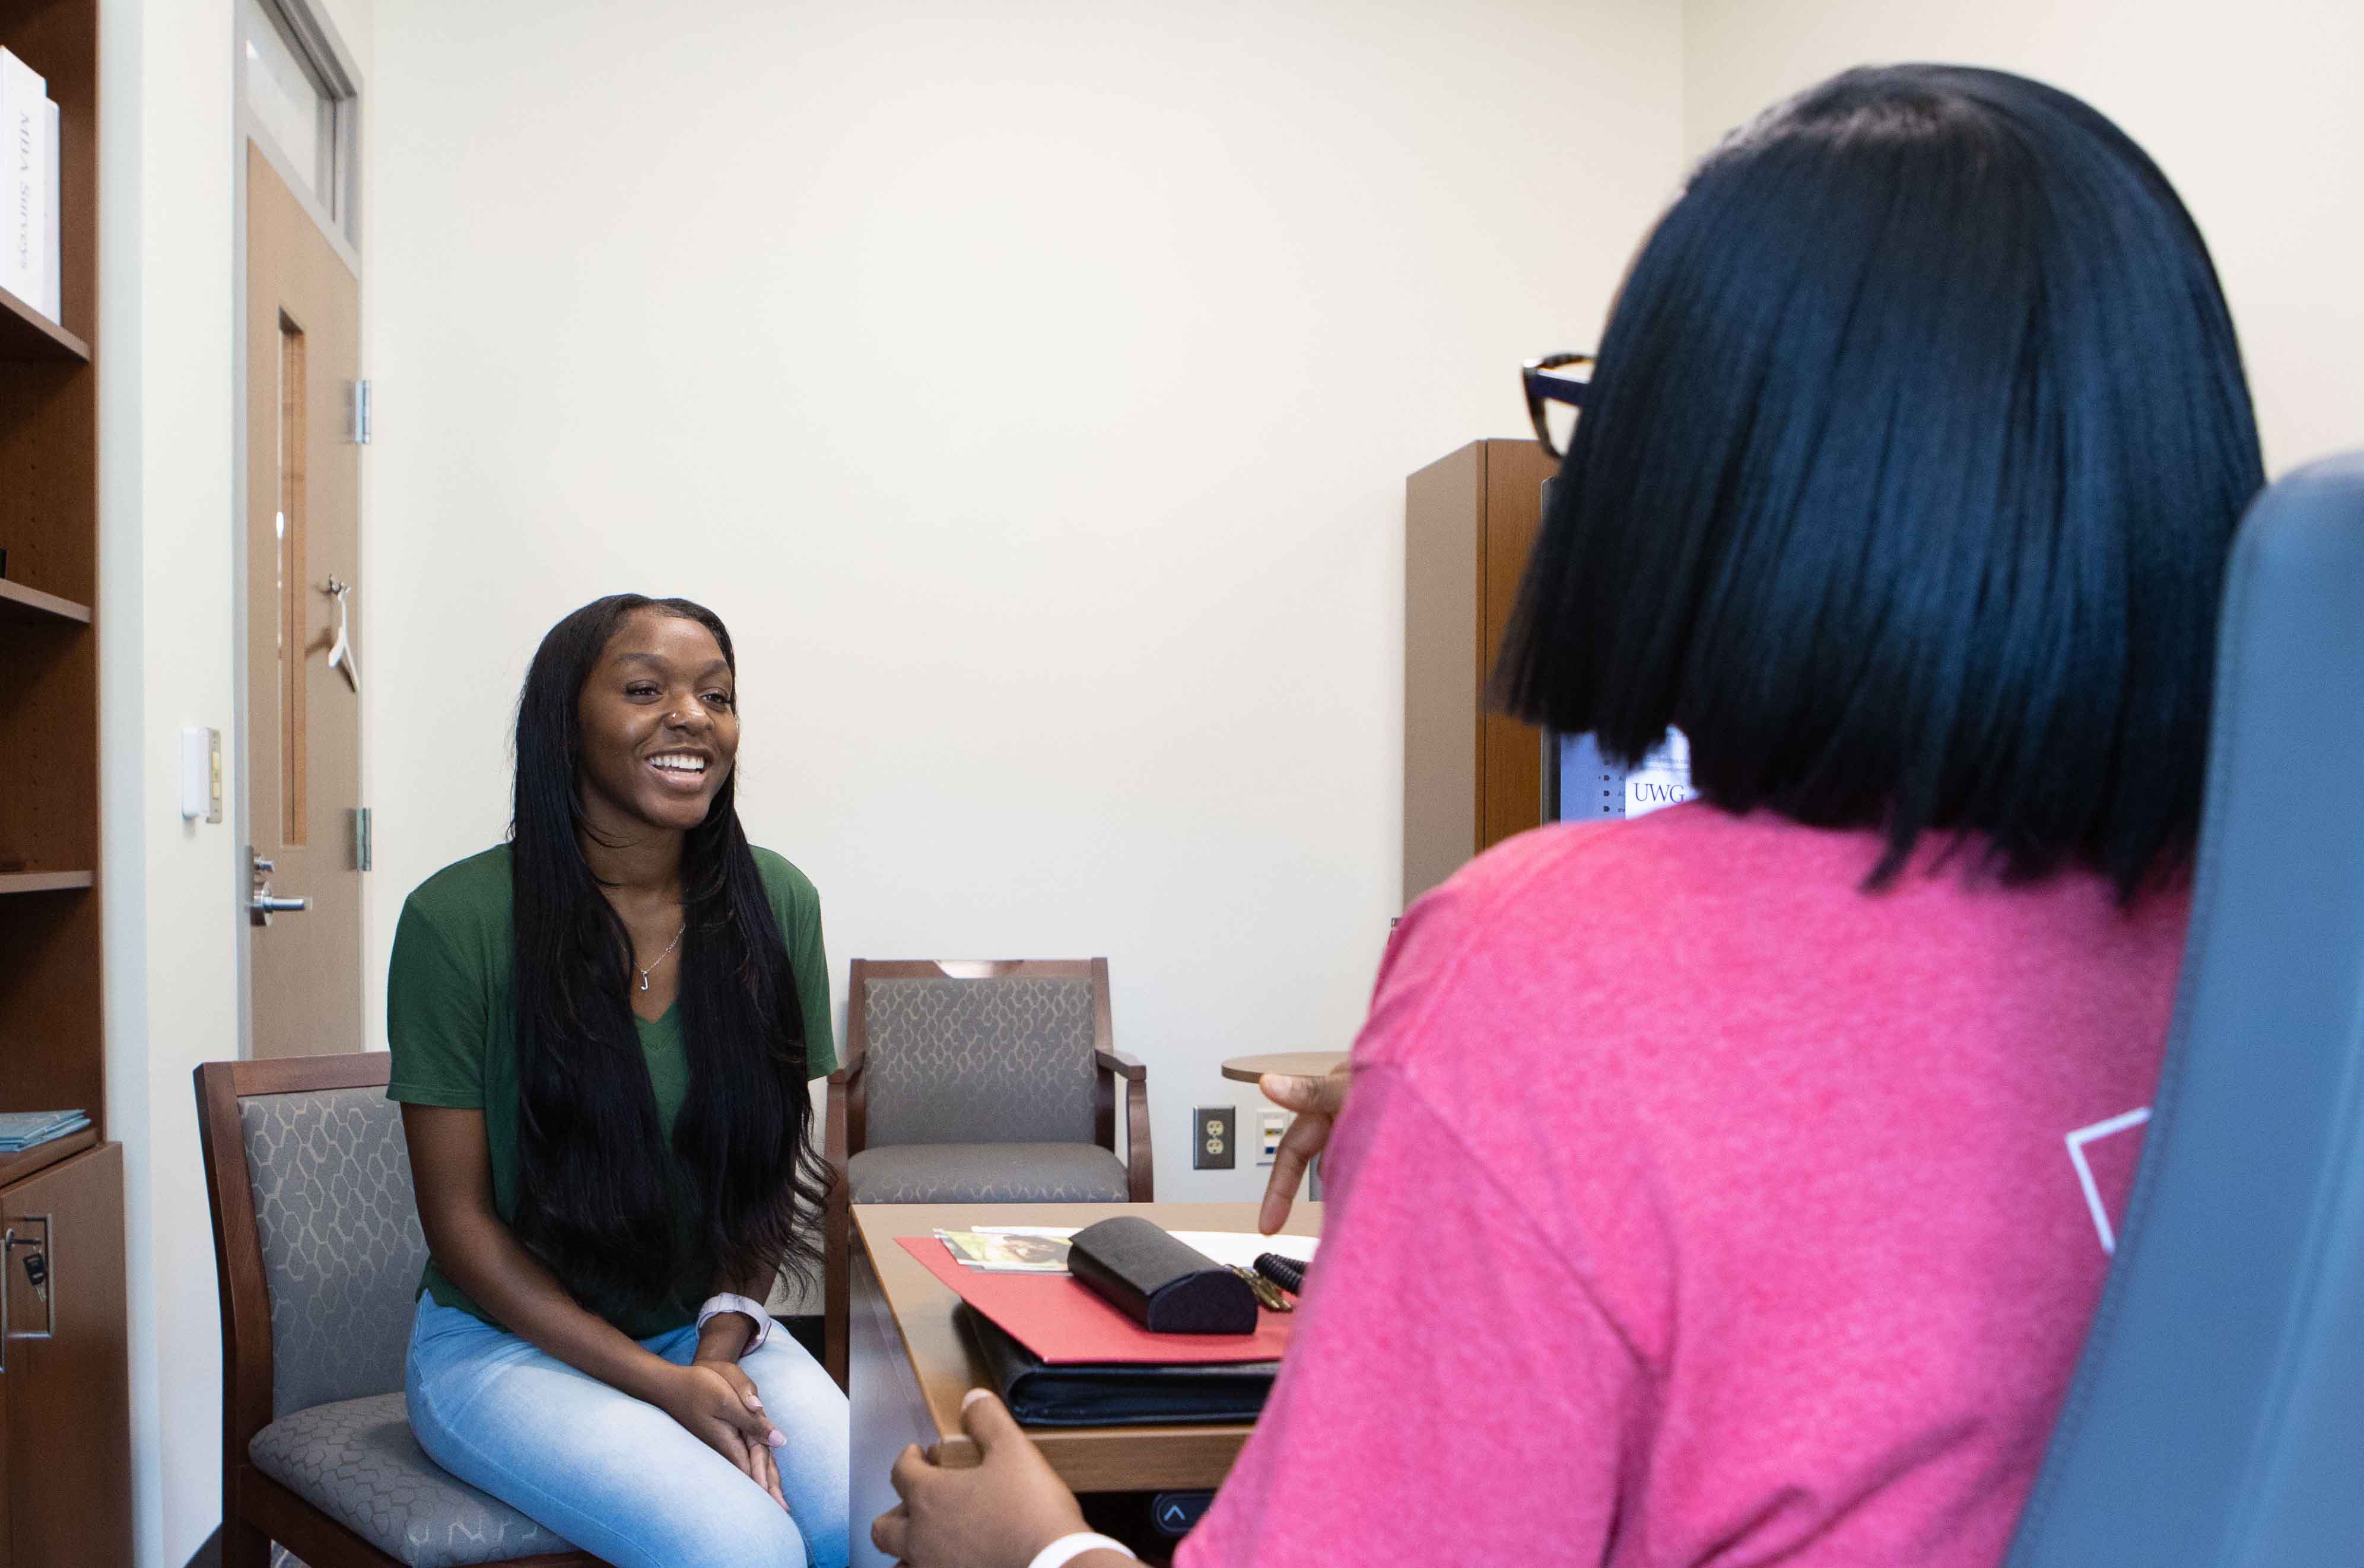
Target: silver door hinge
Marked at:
361, 838
360, 433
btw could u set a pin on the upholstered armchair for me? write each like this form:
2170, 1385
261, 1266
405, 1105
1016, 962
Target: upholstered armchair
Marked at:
977, 1083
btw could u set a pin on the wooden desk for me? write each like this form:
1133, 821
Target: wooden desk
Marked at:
908, 1362
1292, 1063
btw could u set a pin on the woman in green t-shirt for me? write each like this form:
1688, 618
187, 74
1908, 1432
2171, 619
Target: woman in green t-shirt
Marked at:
602, 1033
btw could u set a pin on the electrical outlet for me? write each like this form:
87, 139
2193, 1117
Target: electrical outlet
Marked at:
1270, 1125
1211, 1140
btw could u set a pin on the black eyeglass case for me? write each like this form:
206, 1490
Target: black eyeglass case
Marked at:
1167, 1287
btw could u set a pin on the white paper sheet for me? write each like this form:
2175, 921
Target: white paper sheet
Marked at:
1240, 1249
1236, 1249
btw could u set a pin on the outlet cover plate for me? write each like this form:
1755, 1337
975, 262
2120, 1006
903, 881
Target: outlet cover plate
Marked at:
1270, 1125
1214, 1137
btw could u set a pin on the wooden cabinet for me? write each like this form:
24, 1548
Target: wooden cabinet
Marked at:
64, 1398
68, 1393
1471, 778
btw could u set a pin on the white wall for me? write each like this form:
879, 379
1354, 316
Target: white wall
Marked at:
168, 534
1032, 388
2252, 111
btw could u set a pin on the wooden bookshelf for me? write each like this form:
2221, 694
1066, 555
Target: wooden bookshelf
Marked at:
64, 1401
1472, 777
51, 962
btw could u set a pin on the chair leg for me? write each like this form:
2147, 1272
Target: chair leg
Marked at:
1141, 1167
243, 1545
835, 1261
833, 1331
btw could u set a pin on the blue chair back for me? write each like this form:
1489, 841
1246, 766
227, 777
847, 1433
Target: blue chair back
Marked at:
2217, 1415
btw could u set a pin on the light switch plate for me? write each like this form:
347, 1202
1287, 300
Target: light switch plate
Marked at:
1213, 1137
201, 776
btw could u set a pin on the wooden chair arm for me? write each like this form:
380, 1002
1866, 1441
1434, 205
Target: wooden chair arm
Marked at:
1140, 1169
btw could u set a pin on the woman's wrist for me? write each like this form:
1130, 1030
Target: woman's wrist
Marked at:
654, 1380
724, 1338
1084, 1548
754, 1325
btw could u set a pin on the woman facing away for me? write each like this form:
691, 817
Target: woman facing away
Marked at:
1706, 1193
602, 1033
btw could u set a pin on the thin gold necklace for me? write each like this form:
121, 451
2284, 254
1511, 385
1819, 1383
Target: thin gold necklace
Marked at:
661, 957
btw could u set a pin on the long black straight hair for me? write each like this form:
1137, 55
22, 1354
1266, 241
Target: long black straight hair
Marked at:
1906, 482
598, 1198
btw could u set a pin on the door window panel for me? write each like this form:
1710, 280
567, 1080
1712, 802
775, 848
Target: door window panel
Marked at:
294, 634
303, 118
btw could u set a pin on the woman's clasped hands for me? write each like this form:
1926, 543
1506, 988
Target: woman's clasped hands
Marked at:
717, 1404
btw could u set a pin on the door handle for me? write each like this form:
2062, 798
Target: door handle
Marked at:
262, 905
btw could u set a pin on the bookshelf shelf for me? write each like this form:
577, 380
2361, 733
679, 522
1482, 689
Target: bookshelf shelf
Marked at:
20, 603
23, 1163
29, 337
44, 882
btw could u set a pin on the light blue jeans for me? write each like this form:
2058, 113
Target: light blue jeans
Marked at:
620, 1478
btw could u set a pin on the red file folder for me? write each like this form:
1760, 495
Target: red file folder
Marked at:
1067, 1325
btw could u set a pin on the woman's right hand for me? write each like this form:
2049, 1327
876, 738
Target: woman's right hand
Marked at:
728, 1418
1317, 1102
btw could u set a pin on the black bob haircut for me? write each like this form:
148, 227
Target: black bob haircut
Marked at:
1911, 459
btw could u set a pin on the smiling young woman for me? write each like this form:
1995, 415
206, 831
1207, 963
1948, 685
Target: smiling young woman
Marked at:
602, 1033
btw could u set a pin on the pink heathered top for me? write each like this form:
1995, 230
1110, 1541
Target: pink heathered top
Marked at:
1693, 1206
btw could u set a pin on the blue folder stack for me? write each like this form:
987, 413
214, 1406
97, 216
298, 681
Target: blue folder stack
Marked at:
22, 1129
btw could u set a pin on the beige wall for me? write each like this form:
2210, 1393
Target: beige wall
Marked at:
168, 532
2252, 111
1032, 388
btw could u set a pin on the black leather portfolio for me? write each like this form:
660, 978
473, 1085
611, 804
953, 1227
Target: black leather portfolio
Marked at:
1167, 1287
1112, 1395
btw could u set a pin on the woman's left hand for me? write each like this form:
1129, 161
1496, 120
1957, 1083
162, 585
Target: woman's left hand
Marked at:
757, 1463
997, 1514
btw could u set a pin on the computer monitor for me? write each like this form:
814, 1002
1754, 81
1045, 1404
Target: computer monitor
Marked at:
1582, 785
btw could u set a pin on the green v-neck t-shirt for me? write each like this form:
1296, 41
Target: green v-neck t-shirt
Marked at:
450, 1019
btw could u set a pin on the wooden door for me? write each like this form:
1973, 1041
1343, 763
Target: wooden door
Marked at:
69, 1492
303, 711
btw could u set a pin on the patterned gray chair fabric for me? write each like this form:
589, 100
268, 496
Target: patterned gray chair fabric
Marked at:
341, 1252
1002, 1060
356, 1461
985, 1172
341, 1246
